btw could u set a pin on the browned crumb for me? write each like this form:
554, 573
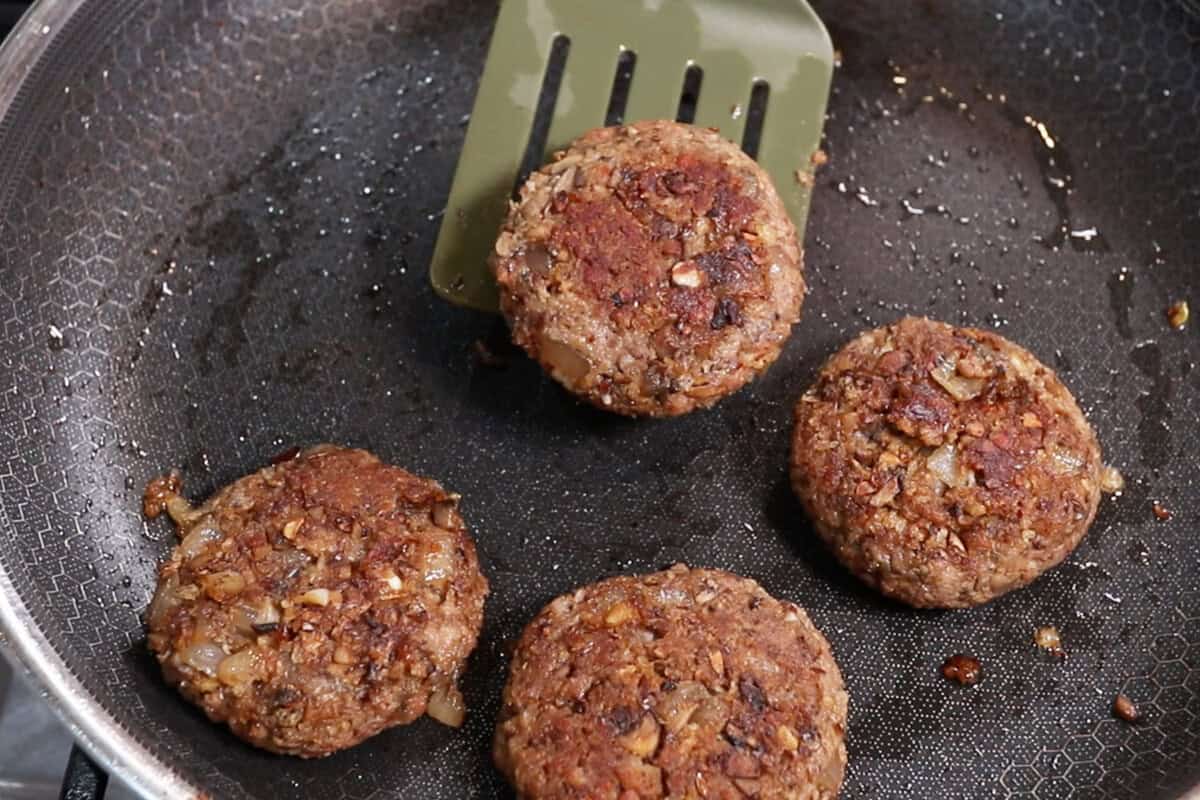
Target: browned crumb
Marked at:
1177, 314
807, 177
963, 669
159, 491
1124, 709
1161, 511
1048, 638
837, 58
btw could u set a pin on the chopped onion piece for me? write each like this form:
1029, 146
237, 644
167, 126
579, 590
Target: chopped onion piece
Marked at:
266, 616
943, 463
241, 667
1111, 480
446, 706
199, 538
676, 708
565, 362
438, 564
443, 513
181, 511
166, 598
960, 388
315, 597
221, 586
203, 656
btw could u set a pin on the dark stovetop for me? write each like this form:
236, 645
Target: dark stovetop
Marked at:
10, 12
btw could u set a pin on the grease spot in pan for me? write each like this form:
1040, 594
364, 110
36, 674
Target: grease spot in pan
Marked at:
1154, 433
1120, 299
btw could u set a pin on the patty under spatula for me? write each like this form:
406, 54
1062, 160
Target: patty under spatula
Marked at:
757, 70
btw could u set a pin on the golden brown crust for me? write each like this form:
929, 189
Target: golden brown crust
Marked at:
686, 683
318, 601
650, 268
945, 466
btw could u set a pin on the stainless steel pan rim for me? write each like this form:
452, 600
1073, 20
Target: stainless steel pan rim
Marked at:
93, 728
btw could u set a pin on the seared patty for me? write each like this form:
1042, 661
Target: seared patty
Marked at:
650, 268
686, 683
318, 601
944, 466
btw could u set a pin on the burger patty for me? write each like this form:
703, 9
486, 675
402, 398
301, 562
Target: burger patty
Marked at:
650, 268
318, 601
686, 683
944, 466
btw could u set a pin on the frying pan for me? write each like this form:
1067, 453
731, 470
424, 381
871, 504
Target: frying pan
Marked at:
216, 220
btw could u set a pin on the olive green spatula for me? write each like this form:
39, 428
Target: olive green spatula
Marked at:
757, 70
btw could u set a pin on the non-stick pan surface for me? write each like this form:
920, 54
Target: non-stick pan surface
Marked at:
216, 220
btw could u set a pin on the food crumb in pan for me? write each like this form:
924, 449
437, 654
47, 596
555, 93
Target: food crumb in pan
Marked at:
1177, 314
1124, 709
1111, 480
159, 491
963, 669
807, 177
1161, 511
1048, 638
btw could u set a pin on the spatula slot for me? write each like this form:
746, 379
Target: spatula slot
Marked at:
617, 99
539, 131
559, 68
756, 114
693, 76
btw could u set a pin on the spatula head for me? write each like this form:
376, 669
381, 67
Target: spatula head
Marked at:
779, 46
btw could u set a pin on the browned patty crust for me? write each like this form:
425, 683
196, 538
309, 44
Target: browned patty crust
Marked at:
318, 601
687, 683
651, 268
944, 466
